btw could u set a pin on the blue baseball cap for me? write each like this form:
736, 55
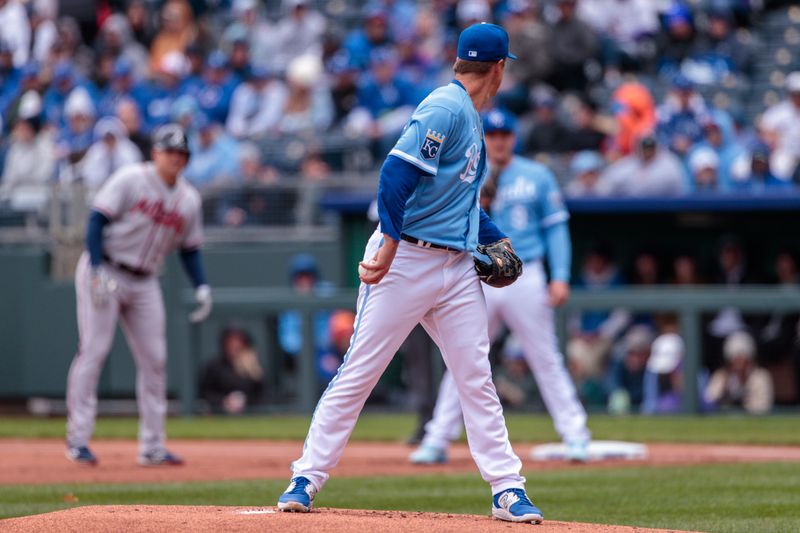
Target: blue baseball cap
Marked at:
586, 161
217, 60
484, 42
498, 120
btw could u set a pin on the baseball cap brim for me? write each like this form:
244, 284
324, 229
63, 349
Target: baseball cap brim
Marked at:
511, 56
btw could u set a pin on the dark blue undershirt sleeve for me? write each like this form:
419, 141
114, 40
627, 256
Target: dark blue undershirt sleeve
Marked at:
94, 237
488, 232
397, 183
559, 251
193, 265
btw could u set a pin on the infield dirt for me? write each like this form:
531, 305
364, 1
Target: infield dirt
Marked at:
168, 519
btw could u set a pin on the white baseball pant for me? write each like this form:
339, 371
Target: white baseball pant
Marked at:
138, 302
525, 308
440, 290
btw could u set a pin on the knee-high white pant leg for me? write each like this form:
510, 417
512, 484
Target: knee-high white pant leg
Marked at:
386, 314
143, 321
445, 426
96, 328
458, 326
525, 309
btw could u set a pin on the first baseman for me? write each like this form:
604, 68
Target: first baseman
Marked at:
141, 213
418, 268
525, 201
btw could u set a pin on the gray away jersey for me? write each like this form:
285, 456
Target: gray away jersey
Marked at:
148, 219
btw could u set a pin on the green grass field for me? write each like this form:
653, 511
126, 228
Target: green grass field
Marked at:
718, 498
396, 427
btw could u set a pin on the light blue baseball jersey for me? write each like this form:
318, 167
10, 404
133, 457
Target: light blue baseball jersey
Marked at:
444, 139
527, 202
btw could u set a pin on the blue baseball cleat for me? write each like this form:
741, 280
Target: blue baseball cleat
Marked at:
513, 505
428, 455
160, 457
81, 455
299, 496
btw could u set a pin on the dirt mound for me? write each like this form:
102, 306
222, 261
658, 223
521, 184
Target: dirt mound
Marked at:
156, 519
42, 461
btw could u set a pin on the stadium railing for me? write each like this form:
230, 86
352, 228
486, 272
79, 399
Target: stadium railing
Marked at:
687, 303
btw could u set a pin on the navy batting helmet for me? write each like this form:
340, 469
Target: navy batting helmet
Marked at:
171, 137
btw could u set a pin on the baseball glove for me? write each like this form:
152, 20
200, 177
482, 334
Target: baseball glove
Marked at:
503, 267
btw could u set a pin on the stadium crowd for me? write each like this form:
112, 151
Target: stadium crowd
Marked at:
79, 97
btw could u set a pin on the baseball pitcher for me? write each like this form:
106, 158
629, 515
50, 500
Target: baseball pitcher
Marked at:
418, 268
140, 214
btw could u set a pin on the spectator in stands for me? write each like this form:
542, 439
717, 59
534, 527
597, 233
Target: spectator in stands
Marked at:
780, 129
676, 44
585, 170
121, 86
625, 378
635, 114
385, 98
239, 59
585, 132
753, 172
663, 380
253, 32
215, 155
724, 50
681, 116
235, 378
684, 270
343, 79
140, 22
9, 78
740, 383
360, 43
469, 12
75, 138
176, 32
257, 105
29, 162
573, 45
156, 97
214, 90
308, 110
651, 171
720, 137
549, 134
305, 279
128, 114
646, 269
533, 38
64, 81
70, 48
626, 27
402, 16
340, 331
111, 150
43, 25
298, 33
116, 39
592, 333
704, 169
16, 30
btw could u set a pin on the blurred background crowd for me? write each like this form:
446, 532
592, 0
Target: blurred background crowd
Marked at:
621, 97
648, 99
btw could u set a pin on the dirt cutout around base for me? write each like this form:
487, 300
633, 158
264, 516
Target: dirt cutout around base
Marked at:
169, 519
42, 461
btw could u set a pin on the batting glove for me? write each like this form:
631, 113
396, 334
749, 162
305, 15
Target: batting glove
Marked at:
202, 296
100, 287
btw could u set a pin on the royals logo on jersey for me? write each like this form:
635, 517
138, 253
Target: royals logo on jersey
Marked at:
432, 144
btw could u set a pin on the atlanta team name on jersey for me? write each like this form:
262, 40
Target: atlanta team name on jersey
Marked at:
149, 218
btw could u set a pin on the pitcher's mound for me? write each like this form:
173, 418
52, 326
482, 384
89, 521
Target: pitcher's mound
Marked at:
157, 519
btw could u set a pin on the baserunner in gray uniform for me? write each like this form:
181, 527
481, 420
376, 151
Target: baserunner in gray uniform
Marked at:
142, 212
